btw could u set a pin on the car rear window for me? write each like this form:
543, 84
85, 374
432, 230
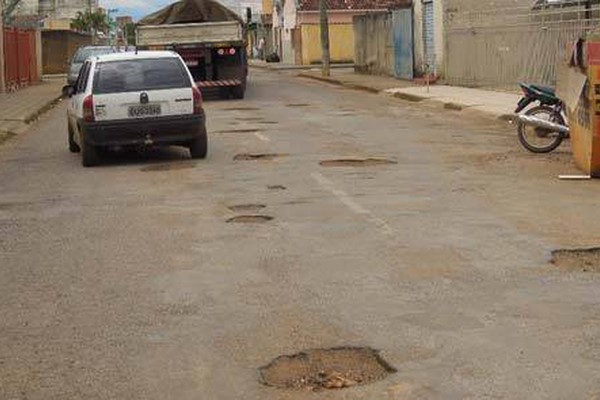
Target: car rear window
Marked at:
138, 75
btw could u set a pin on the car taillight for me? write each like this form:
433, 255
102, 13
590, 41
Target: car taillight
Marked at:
88, 109
197, 101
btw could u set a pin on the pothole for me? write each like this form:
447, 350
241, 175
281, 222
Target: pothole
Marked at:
169, 166
257, 156
297, 105
247, 208
584, 260
320, 369
357, 162
238, 131
250, 118
276, 187
241, 109
250, 219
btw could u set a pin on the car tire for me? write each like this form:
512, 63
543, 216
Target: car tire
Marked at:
73, 146
199, 147
89, 155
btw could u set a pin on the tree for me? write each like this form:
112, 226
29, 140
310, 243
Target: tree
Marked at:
129, 33
90, 21
8, 7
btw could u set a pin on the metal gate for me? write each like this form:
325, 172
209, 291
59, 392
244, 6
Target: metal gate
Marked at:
20, 67
498, 46
428, 36
402, 35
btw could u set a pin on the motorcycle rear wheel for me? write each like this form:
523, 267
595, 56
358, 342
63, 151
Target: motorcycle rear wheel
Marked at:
539, 140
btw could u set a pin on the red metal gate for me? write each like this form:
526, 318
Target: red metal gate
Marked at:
20, 57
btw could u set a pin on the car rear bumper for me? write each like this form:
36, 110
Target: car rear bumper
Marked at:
176, 130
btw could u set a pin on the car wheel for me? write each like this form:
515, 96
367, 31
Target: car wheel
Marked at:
73, 146
89, 155
199, 146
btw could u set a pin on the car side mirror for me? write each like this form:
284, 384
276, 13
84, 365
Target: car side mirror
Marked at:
68, 91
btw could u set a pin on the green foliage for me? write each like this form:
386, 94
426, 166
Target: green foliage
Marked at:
89, 21
129, 32
8, 8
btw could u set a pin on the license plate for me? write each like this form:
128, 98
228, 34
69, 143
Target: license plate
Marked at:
144, 110
191, 63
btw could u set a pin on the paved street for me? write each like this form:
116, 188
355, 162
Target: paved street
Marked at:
126, 281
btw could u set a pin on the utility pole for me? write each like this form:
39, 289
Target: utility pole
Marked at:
325, 57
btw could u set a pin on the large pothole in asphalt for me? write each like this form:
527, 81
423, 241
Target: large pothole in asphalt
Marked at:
320, 369
257, 156
250, 219
357, 162
297, 105
238, 131
585, 260
170, 166
251, 208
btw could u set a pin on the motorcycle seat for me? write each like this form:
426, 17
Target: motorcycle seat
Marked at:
544, 89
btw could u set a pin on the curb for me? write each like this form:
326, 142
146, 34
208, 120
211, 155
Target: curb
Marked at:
42, 110
451, 106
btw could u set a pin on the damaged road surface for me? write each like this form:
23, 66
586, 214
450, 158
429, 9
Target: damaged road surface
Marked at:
422, 233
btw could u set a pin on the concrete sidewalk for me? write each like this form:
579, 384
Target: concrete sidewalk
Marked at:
19, 109
494, 103
293, 67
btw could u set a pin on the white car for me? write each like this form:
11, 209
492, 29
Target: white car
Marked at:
135, 99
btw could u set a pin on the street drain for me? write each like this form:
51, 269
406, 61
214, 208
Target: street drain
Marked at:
268, 123
247, 207
357, 162
319, 369
256, 156
276, 187
238, 131
298, 105
169, 166
250, 219
585, 260
249, 119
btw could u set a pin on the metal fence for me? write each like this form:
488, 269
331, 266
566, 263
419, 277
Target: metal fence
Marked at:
497, 47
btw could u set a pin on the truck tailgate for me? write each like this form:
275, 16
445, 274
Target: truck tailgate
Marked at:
205, 32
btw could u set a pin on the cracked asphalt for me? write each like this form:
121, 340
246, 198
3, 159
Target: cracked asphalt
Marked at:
125, 281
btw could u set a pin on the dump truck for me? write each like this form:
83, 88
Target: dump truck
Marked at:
210, 38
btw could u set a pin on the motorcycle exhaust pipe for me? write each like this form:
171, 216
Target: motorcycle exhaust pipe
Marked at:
541, 123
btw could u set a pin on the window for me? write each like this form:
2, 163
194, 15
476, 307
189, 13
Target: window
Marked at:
83, 78
138, 75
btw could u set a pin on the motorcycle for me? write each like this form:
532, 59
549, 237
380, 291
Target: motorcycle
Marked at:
541, 128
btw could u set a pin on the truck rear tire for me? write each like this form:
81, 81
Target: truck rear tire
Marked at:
238, 92
89, 155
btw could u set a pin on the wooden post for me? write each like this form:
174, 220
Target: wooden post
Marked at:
325, 57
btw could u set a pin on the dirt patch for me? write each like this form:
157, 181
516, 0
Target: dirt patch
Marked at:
169, 166
250, 219
238, 131
247, 207
297, 105
4, 136
584, 260
321, 369
357, 162
257, 156
276, 187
